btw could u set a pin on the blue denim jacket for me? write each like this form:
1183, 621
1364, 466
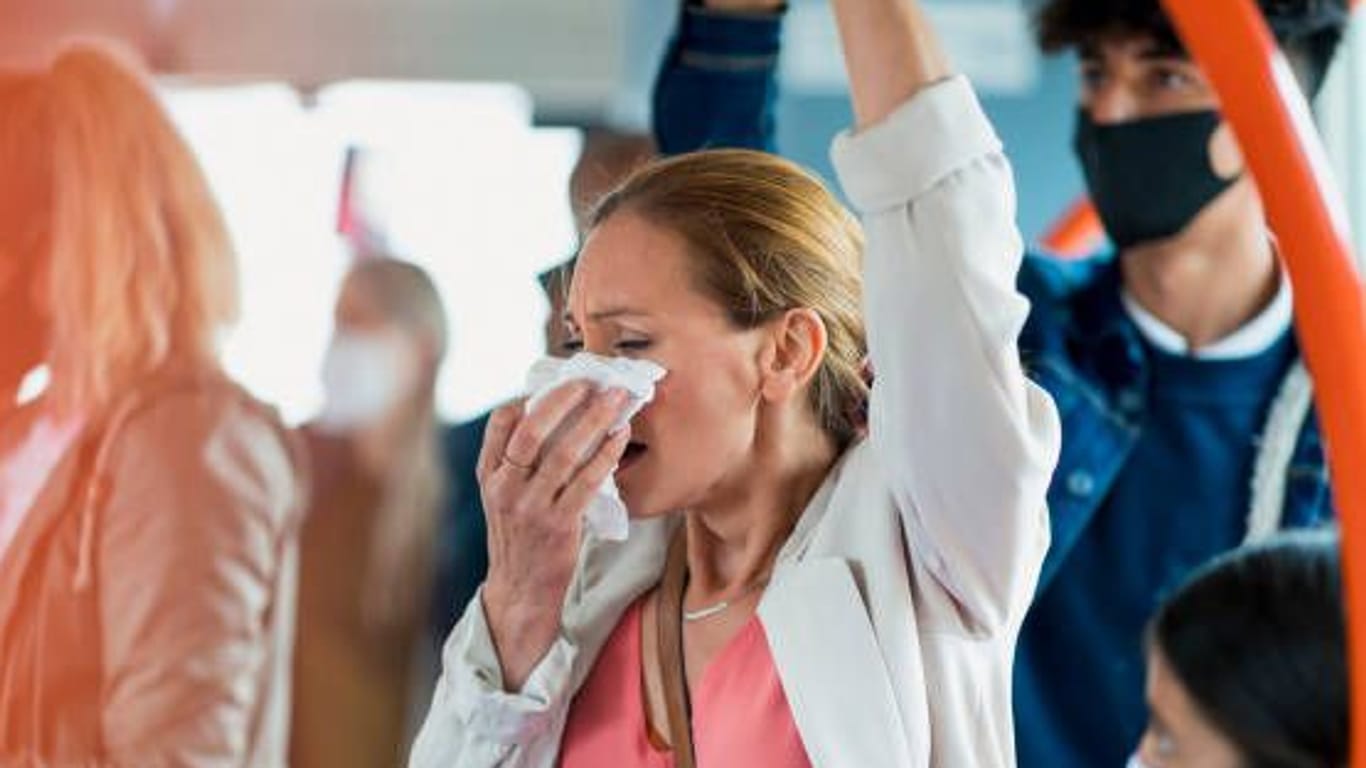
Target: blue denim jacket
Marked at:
1081, 346
462, 557
718, 88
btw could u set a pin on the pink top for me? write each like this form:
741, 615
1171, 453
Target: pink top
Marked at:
740, 715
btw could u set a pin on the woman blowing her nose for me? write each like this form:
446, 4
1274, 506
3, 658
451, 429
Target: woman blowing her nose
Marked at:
793, 592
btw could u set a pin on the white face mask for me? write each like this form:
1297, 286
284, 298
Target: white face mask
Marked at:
364, 377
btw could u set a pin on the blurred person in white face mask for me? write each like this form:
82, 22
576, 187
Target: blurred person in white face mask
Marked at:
367, 545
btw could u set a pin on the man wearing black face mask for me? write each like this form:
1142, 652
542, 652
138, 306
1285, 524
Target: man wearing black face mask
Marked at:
1188, 422
1197, 431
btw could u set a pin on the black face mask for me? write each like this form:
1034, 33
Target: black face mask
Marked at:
1149, 178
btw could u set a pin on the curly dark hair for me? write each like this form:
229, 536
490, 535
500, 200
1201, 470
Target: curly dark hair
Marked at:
1308, 31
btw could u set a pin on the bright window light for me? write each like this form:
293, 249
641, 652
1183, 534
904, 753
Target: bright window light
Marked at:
456, 180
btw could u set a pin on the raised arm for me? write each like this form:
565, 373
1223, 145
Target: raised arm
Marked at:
718, 84
967, 442
891, 52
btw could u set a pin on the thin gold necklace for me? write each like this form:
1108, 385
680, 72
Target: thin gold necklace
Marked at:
718, 608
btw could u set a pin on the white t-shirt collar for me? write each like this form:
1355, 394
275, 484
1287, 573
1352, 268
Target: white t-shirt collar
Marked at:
1255, 336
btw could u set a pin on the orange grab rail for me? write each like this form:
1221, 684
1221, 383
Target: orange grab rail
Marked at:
1077, 233
1272, 121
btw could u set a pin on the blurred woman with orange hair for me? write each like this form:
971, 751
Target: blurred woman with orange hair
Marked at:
148, 505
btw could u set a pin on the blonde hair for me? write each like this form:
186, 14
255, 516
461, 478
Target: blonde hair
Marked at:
766, 237
109, 198
414, 490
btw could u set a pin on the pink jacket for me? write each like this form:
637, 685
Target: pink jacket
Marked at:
146, 602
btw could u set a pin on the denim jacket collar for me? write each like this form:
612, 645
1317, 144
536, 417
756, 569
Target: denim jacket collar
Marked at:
1104, 335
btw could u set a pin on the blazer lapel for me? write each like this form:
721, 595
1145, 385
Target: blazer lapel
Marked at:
831, 668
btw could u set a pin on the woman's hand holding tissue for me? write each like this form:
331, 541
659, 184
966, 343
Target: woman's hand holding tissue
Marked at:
538, 471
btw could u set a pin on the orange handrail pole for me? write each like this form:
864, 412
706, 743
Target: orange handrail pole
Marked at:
1078, 232
1269, 115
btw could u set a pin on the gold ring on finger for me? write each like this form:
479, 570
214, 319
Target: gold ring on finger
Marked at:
528, 468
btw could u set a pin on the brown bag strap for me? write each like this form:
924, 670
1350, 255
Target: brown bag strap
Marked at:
670, 638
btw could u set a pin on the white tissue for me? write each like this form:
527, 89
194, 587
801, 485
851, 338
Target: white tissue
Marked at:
606, 517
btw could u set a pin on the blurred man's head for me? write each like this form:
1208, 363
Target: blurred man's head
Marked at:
555, 284
1150, 138
608, 158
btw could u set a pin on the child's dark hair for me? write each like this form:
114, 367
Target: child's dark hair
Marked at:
1308, 31
1258, 640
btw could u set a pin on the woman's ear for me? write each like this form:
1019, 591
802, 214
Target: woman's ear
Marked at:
793, 354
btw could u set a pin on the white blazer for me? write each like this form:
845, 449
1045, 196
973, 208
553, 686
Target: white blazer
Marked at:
894, 606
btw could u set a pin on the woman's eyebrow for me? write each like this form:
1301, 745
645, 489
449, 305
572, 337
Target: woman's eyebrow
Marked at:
611, 313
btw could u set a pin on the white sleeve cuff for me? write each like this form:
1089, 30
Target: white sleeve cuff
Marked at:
936, 132
477, 681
